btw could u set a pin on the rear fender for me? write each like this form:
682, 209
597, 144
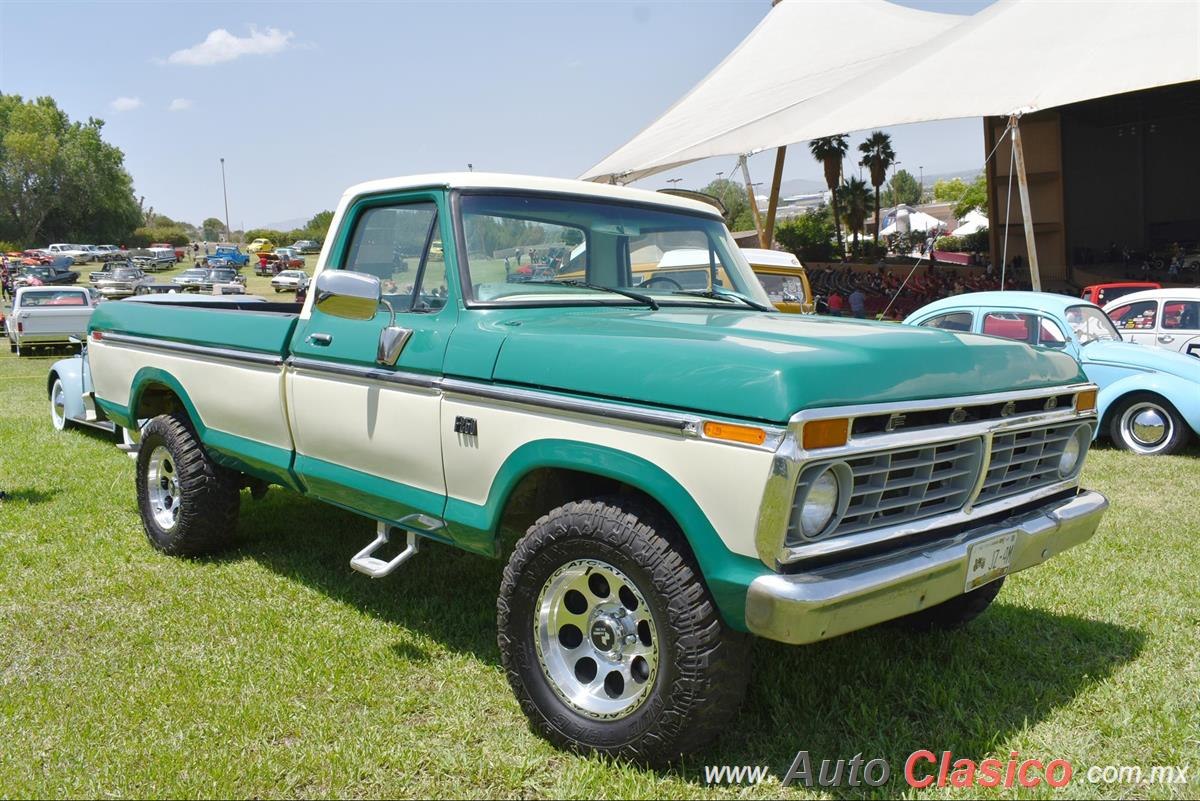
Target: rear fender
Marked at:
1183, 394
70, 373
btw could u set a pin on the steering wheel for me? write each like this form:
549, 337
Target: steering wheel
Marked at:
663, 281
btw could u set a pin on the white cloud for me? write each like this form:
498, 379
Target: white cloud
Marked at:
221, 46
125, 103
180, 104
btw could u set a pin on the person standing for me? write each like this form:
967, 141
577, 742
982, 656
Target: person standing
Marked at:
5, 279
835, 304
858, 303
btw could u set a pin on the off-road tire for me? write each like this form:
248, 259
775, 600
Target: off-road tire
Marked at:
956, 612
703, 666
209, 497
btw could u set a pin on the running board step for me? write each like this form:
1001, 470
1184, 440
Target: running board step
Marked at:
368, 565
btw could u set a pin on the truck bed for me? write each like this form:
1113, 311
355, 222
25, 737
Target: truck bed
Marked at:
244, 325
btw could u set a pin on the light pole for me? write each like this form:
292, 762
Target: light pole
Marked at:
673, 181
922, 198
225, 194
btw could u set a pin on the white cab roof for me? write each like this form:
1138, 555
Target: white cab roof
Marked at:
770, 258
1154, 294
526, 183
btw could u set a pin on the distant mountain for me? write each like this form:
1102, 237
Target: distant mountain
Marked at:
800, 186
286, 225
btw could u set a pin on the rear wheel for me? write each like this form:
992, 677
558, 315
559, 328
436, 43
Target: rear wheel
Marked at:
610, 640
1148, 425
58, 405
188, 503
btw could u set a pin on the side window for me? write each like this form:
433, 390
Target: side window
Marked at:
1139, 315
1181, 315
782, 288
401, 246
1050, 335
954, 321
1011, 325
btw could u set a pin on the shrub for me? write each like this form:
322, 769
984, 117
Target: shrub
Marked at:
808, 235
971, 243
9, 247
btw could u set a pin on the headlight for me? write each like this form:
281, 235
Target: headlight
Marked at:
1073, 451
820, 504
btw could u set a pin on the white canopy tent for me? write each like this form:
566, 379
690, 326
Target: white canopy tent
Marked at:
973, 223
797, 77
916, 221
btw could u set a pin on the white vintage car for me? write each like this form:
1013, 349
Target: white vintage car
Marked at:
48, 315
1159, 318
289, 280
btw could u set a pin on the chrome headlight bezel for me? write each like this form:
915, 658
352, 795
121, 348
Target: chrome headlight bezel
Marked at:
1077, 447
813, 479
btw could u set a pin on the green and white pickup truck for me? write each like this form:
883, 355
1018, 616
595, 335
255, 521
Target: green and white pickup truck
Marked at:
682, 464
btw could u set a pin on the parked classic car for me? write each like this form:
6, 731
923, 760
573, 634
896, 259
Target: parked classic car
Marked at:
230, 281
260, 244
48, 316
1149, 399
686, 465
153, 259
76, 252
106, 269
288, 280
123, 282
226, 256
1163, 318
179, 250
46, 275
306, 246
1101, 294
784, 279
110, 252
191, 278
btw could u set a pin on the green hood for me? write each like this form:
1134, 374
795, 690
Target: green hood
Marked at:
760, 366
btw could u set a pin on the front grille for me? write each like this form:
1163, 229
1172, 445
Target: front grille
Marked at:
896, 487
1025, 460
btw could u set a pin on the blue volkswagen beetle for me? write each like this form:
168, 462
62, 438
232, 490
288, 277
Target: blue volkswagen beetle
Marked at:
1149, 398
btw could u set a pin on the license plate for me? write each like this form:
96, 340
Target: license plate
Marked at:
989, 560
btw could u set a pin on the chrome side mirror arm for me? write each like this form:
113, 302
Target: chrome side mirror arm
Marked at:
392, 339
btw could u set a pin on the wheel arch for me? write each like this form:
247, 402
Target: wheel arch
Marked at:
70, 373
576, 470
1181, 395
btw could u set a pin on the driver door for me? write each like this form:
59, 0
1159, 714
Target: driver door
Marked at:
368, 434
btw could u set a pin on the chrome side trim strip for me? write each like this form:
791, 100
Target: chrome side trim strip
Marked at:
366, 373
686, 425
209, 351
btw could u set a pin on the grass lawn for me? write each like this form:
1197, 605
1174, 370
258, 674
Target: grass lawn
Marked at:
275, 670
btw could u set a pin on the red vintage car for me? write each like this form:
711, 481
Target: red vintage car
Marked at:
1107, 293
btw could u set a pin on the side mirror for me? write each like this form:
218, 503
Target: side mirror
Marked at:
351, 295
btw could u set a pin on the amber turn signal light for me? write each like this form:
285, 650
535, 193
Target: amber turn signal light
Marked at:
1085, 401
826, 433
727, 431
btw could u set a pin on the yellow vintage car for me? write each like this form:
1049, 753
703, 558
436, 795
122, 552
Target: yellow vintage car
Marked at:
260, 245
783, 277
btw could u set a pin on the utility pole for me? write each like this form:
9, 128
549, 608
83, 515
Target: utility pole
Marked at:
225, 193
673, 181
758, 225
1035, 276
921, 199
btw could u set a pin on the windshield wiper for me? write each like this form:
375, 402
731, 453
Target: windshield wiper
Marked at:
728, 297
639, 297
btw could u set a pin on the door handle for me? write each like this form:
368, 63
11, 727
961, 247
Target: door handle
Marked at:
320, 339
1165, 338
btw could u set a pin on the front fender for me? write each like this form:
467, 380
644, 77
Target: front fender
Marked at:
728, 575
70, 372
1183, 394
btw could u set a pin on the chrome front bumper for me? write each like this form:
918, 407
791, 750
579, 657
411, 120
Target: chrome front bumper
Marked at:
837, 599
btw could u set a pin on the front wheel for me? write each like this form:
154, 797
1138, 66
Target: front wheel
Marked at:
1148, 425
188, 503
609, 638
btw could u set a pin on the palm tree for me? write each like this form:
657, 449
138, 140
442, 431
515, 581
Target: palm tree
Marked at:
857, 197
877, 156
829, 150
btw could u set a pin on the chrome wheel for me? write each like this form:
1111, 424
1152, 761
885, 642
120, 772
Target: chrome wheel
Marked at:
162, 487
596, 639
58, 406
1146, 427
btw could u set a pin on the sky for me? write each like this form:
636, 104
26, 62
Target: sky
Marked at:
304, 99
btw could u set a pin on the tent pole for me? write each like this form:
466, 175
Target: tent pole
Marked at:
758, 226
1035, 275
768, 235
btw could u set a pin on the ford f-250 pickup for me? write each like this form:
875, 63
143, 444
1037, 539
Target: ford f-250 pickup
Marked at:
682, 466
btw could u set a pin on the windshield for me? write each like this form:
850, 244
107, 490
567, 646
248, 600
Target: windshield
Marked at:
535, 249
1091, 325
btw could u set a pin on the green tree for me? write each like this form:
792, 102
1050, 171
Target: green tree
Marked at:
738, 215
318, 227
949, 191
212, 229
878, 155
808, 235
830, 150
857, 197
59, 180
903, 188
974, 198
